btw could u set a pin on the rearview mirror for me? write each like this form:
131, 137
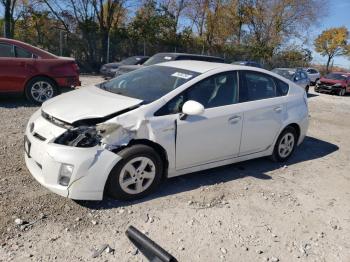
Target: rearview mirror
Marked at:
192, 108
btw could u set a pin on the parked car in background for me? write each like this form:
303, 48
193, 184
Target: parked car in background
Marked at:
166, 57
313, 75
334, 83
125, 135
108, 70
248, 63
296, 75
34, 72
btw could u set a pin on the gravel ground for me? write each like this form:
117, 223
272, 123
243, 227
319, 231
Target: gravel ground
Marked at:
252, 211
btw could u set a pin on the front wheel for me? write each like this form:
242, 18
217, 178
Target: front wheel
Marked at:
136, 175
285, 145
40, 89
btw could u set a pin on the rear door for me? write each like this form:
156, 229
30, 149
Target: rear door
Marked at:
263, 113
16, 66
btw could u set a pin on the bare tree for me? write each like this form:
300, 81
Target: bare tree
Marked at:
9, 6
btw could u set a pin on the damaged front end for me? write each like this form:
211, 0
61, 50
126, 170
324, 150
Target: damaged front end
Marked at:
107, 135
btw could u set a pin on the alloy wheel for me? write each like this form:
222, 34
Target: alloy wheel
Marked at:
137, 175
42, 91
286, 145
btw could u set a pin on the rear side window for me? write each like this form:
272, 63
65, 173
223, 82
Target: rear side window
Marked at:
22, 53
6, 50
312, 71
282, 88
256, 86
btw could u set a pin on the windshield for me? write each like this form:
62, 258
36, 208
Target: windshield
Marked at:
335, 76
159, 58
149, 83
130, 61
285, 73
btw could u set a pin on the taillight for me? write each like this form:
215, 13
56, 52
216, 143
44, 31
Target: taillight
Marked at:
75, 67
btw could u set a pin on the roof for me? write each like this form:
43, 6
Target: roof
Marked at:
184, 54
202, 66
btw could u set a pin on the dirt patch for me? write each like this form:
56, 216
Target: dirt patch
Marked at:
252, 211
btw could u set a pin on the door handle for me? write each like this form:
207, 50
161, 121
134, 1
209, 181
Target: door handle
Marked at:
278, 109
234, 119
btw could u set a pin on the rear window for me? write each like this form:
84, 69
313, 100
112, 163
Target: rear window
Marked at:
22, 53
6, 50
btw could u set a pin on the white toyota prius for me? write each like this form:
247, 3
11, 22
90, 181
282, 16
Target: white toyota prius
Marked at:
123, 136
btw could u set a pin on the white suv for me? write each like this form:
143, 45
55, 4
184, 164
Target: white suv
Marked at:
124, 135
313, 74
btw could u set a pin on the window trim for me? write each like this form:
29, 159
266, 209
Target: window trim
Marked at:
198, 82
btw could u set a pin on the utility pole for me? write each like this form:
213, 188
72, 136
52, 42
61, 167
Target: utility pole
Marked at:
61, 43
107, 58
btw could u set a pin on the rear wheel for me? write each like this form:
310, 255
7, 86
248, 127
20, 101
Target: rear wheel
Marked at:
342, 92
285, 144
307, 89
137, 174
40, 89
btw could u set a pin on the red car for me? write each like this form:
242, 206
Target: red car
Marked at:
34, 72
334, 83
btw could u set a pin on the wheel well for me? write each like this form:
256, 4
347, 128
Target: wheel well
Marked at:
158, 148
37, 76
296, 127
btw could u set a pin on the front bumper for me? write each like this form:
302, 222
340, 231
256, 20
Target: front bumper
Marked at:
328, 88
91, 165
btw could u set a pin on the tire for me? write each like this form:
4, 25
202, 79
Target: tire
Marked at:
307, 89
127, 169
342, 92
288, 133
40, 89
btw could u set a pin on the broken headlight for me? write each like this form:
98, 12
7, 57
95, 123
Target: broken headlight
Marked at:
82, 136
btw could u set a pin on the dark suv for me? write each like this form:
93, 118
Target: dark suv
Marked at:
166, 57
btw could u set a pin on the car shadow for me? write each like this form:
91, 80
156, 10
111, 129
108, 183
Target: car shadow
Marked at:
312, 148
14, 101
309, 95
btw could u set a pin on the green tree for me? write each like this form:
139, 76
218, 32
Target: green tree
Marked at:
333, 42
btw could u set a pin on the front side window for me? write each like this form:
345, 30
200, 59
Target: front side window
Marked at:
6, 50
149, 83
214, 91
256, 86
22, 53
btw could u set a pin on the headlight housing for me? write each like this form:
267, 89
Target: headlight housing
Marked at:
82, 136
65, 174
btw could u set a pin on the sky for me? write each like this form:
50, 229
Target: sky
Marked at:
338, 15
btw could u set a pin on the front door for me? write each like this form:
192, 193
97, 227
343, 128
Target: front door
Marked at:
14, 68
215, 135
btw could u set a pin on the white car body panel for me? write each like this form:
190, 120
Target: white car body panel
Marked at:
220, 136
95, 103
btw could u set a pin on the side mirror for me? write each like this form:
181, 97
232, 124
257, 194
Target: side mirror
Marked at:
296, 78
192, 108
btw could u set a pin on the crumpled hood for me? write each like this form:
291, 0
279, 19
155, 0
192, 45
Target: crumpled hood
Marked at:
331, 81
86, 103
